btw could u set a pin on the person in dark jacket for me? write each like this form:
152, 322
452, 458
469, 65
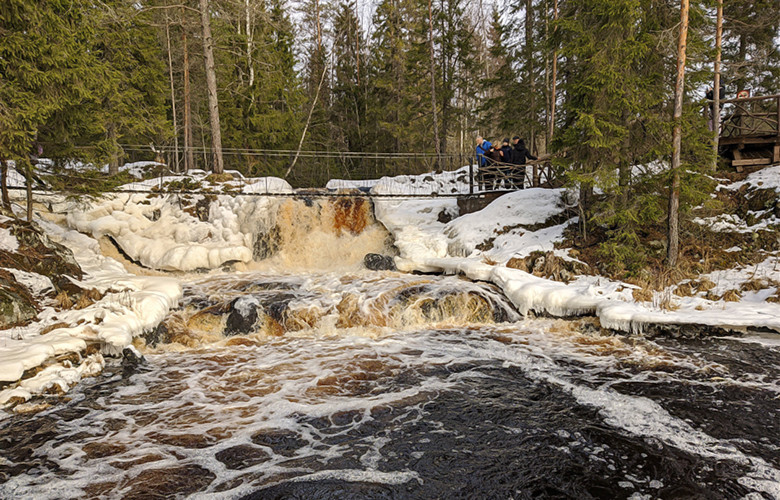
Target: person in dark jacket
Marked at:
520, 157
494, 159
507, 154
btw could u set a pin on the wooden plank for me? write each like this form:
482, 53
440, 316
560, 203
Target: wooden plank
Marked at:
744, 139
776, 154
751, 161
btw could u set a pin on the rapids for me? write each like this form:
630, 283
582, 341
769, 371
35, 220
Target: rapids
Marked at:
385, 385
281, 382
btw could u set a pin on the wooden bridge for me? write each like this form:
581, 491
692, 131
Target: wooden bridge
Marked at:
750, 131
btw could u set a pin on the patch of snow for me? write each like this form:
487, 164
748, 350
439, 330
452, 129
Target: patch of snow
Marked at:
37, 284
8, 241
766, 178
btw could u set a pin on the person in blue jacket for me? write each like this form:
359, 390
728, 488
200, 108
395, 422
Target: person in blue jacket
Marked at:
483, 147
483, 160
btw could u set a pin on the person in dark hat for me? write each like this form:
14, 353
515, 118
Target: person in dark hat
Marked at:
518, 159
505, 169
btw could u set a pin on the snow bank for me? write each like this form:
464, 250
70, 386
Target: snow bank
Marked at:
505, 229
130, 306
503, 224
455, 182
766, 178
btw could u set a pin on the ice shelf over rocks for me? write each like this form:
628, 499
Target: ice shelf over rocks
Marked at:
479, 245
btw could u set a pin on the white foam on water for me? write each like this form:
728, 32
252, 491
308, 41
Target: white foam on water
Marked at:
191, 405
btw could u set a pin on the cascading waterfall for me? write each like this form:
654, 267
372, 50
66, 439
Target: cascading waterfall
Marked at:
303, 375
318, 234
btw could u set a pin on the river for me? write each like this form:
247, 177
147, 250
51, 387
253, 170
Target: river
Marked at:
389, 385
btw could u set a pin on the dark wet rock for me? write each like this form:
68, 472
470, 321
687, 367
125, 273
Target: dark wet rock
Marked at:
68, 285
267, 244
203, 207
38, 254
159, 335
17, 306
242, 456
327, 489
377, 262
131, 360
446, 216
243, 316
281, 441
167, 482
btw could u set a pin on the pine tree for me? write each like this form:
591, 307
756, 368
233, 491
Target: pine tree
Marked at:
348, 110
501, 111
751, 58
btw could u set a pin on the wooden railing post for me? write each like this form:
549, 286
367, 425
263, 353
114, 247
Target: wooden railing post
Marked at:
778, 116
471, 177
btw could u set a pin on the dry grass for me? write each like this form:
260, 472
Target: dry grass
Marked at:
517, 263
63, 301
642, 294
218, 178
667, 302
685, 290
703, 285
732, 296
754, 285
50, 328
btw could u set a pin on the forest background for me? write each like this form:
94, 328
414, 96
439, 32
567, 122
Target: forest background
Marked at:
591, 82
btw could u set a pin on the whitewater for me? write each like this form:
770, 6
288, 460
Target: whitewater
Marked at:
268, 362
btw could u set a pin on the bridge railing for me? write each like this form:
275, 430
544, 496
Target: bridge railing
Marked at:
750, 117
314, 169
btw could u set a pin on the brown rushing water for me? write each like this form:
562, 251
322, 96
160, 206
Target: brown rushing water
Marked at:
383, 385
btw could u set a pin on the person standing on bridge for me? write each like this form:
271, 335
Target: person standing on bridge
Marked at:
483, 148
519, 158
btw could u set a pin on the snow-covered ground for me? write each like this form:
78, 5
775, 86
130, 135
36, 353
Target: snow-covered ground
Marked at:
129, 306
479, 245
178, 231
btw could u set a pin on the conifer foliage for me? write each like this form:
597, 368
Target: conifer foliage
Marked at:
589, 83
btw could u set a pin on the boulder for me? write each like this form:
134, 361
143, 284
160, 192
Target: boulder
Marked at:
243, 316
377, 262
38, 254
17, 306
131, 360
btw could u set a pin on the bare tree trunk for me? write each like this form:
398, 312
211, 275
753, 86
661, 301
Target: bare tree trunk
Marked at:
6, 200
319, 24
308, 122
211, 83
554, 78
716, 86
529, 60
673, 248
27, 167
113, 164
189, 155
173, 96
249, 43
432, 68
624, 168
